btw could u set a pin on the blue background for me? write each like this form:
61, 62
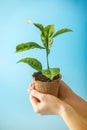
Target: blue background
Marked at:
68, 53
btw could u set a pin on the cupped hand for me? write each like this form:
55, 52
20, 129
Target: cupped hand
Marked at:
44, 103
71, 107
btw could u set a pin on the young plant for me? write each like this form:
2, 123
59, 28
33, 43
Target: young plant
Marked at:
47, 35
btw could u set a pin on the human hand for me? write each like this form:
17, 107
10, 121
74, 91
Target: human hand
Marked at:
66, 96
44, 103
67, 105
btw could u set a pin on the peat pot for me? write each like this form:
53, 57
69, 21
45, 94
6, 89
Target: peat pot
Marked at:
47, 87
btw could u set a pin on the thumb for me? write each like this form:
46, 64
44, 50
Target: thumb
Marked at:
37, 94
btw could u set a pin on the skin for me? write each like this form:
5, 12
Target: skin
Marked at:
69, 106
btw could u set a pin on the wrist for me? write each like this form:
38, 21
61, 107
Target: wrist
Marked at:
64, 110
61, 109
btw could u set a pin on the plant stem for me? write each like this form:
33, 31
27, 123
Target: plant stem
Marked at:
47, 58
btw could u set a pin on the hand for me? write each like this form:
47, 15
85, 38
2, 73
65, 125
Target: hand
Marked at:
69, 106
44, 103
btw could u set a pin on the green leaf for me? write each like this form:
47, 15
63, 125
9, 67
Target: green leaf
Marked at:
64, 30
47, 36
51, 73
26, 46
39, 26
34, 63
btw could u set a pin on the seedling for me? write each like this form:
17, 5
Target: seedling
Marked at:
47, 34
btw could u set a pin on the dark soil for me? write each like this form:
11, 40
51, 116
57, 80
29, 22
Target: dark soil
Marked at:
39, 76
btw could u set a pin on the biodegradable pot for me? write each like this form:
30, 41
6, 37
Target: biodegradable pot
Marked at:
47, 87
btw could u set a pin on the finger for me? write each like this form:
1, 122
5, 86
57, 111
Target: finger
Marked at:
35, 103
31, 87
37, 94
34, 100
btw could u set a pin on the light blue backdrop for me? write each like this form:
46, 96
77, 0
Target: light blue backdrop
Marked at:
69, 53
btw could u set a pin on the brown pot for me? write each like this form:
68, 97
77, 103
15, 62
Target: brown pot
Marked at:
47, 87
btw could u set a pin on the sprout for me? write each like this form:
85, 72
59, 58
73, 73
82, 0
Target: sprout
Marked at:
47, 34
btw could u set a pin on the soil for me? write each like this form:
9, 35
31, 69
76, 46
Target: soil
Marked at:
39, 76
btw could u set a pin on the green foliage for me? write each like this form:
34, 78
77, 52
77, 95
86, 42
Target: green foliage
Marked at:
39, 26
51, 72
34, 63
47, 35
26, 46
64, 30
